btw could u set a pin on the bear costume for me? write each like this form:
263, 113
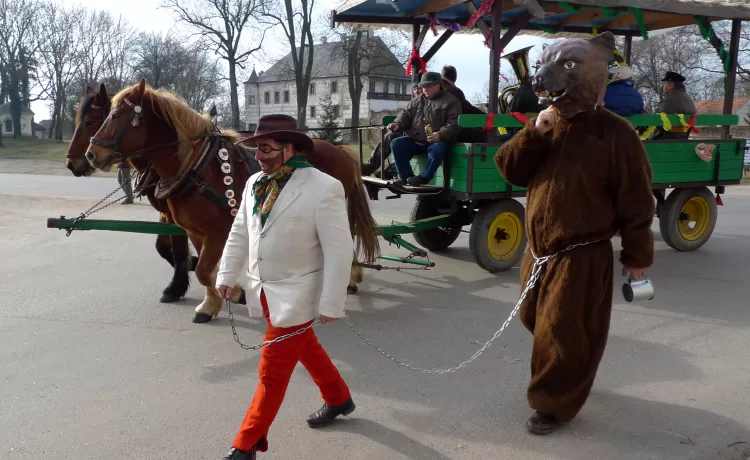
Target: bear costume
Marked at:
588, 178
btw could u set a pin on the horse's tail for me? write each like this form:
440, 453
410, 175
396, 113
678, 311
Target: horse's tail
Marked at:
362, 223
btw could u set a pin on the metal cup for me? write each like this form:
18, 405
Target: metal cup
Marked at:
635, 291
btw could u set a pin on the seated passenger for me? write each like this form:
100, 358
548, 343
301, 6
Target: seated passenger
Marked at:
676, 100
434, 108
373, 163
621, 96
448, 76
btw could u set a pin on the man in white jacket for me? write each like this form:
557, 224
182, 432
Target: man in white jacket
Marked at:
292, 230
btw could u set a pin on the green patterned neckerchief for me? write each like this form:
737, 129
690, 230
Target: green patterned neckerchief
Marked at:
266, 189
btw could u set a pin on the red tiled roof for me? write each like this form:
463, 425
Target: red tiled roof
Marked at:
716, 106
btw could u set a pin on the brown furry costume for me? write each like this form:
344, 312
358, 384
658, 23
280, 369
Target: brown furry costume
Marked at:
587, 179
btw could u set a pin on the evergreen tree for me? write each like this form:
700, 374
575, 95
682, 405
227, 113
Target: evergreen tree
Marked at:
328, 121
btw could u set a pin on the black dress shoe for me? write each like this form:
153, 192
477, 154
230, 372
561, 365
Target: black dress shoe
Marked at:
327, 413
236, 454
417, 180
541, 424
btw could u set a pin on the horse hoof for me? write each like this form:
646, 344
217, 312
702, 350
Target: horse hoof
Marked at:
169, 298
202, 318
352, 289
242, 300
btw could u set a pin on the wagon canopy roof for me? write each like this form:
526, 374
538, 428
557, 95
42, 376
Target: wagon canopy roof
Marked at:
621, 17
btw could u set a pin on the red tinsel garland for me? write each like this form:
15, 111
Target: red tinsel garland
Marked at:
415, 55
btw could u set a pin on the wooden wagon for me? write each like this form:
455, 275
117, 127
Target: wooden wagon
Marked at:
469, 190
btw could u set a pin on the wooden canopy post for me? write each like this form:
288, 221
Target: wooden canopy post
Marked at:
628, 49
734, 45
496, 28
417, 39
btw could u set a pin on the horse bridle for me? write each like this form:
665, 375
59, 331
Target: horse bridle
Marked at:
102, 117
122, 130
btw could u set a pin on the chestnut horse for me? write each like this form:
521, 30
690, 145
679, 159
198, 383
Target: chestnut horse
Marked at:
92, 111
202, 176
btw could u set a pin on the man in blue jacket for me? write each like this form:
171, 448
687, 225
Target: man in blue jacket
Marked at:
621, 96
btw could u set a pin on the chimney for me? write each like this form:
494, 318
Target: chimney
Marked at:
323, 40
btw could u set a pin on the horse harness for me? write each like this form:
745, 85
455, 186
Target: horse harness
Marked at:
213, 144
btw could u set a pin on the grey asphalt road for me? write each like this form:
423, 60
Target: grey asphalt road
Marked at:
92, 366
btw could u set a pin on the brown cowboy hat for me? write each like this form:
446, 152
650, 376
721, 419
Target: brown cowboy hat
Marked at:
282, 128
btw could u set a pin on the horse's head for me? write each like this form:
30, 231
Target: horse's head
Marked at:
123, 132
92, 110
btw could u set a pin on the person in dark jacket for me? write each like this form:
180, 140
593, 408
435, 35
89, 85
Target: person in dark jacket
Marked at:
448, 77
676, 100
621, 96
372, 165
435, 108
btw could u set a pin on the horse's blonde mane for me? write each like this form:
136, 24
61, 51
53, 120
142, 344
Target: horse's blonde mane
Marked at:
179, 115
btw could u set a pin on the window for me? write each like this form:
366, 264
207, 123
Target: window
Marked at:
403, 88
8, 126
251, 126
286, 96
312, 111
334, 87
312, 88
385, 87
267, 97
336, 111
275, 97
250, 99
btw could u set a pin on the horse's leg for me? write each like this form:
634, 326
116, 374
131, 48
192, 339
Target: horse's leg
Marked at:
355, 277
208, 267
180, 283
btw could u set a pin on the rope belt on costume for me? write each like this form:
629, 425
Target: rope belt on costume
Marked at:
536, 271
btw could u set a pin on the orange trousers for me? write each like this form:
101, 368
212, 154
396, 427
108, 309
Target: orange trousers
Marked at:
277, 362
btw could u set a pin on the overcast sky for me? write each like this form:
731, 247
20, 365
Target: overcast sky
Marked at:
466, 52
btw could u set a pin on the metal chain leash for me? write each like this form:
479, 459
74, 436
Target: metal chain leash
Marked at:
96, 208
266, 342
536, 271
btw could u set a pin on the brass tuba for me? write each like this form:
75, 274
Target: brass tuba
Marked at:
519, 61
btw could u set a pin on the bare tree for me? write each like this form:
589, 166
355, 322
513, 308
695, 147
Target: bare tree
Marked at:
161, 59
59, 58
368, 55
20, 39
201, 79
684, 51
119, 43
222, 23
296, 21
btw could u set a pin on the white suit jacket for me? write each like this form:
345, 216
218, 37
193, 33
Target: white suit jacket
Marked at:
301, 258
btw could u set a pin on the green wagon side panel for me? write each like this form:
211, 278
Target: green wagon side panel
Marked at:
509, 121
676, 162
672, 162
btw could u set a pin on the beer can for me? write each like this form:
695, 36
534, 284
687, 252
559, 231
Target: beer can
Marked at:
428, 130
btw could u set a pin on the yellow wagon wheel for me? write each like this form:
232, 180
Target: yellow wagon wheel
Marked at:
505, 235
497, 239
688, 218
695, 216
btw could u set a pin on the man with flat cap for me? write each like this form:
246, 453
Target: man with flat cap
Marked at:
293, 232
676, 100
430, 125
